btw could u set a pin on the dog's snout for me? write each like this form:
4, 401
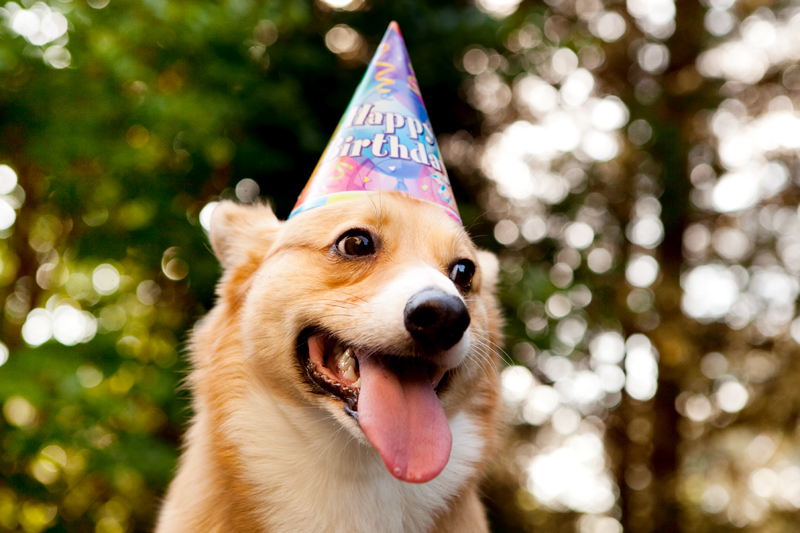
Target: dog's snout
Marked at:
435, 319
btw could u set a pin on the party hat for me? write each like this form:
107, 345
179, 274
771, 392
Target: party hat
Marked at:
384, 141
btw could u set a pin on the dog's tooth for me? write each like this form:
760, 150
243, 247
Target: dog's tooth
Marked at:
346, 360
350, 373
357, 384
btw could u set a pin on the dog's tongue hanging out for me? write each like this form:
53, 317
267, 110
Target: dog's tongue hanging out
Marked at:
402, 417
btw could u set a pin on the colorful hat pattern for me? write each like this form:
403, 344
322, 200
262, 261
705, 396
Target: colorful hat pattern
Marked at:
384, 141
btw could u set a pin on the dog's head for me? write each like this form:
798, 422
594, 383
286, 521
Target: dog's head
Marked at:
378, 310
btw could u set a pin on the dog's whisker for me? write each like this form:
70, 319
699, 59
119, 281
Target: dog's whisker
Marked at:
483, 360
489, 354
485, 352
503, 354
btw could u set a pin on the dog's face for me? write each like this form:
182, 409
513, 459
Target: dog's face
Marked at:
378, 310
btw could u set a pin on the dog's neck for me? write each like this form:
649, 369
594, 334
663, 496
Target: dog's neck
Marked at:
333, 482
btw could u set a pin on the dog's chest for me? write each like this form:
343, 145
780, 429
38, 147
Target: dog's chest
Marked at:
333, 483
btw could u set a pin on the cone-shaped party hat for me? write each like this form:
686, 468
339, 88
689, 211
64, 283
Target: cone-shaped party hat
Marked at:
384, 141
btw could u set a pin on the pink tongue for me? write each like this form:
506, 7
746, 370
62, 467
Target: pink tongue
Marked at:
403, 418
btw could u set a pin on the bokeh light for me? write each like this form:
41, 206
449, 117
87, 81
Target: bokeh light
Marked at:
345, 42
642, 271
38, 327
498, 8
205, 215
7, 215
573, 475
641, 368
39, 24
8, 179
105, 279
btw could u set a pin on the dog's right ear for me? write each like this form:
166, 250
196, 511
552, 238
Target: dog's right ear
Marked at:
239, 229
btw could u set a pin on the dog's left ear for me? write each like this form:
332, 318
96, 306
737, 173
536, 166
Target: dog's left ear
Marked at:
239, 229
490, 269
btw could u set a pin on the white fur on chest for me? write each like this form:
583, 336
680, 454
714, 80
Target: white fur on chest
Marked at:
317, 477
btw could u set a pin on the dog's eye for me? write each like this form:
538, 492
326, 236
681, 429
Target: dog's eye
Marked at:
356, 244
461, 274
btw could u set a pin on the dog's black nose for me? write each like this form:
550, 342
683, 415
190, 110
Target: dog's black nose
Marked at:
435, 319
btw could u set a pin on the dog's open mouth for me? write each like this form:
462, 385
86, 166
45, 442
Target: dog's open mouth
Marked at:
334, 367
394, 400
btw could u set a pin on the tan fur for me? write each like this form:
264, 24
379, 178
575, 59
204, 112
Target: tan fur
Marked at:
264, 452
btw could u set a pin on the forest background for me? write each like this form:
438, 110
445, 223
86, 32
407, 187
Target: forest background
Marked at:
634, 165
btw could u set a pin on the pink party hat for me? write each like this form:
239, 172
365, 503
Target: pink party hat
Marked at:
384, 141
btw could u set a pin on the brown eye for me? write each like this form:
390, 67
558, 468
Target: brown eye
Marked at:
356, 244
461, 274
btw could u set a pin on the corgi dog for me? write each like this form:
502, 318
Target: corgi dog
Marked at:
346, 379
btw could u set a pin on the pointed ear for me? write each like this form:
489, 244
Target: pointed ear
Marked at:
490, 269
237, 230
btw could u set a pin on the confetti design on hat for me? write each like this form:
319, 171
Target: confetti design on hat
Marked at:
384, 141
